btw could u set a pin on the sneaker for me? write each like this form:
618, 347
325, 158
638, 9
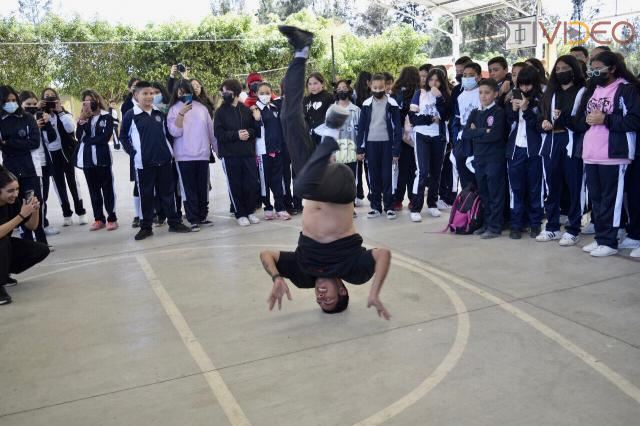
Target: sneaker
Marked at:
603, 251
51, 248
82, 219
51, 230
112, 226
98, 224
534, 232
568, 240
11, 282
68, 221
488, 235
243, 221
391, 214
143, 233
195, 228
546, 236
590, 229
5, 299
434, 212
269, 215
253, 219
480, 231
180, 228
635, 253
590, 247
442, 205
373, 214
296, 37
629, 243
416, 217
359, 202
515, 234
283, 215
136, 222
397, 206
206, 222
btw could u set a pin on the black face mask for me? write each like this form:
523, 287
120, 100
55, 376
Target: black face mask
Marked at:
341, 96
378, 95
565, 77
227, 98
459, 78
31, 110
94, 106
601, 80
527, 94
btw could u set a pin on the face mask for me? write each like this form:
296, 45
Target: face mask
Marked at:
227, 97
378, 95
157, 99
459, 78
31, 110
600, 79
10, 107
94, 106
527, 94
343, 95
265, 99
469, 83
565, 77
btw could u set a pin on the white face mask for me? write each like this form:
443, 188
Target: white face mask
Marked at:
265, 99
10, 107
157, 99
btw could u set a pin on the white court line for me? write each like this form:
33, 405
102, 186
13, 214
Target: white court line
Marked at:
620, 382
228, 403
447, 364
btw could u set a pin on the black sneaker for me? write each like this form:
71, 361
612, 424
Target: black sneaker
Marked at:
180, 228
5, 299
480, 231
296, 37
136, 222
535, 231
206, 222
11, 282
515, 234
488, 235
143, 233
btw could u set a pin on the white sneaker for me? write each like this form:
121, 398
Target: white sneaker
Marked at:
433, 212
373, 214
442, 205
391, 214
254, 219
635, 253
590, 229
82, 219
629, 243
416, 217
68, 221
590, 247
545, 236
603, 251
51, 249
283, 215
243, 221
51, 230
359, 202
568, 240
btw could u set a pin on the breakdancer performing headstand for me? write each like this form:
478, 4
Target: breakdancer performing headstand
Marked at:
329, 248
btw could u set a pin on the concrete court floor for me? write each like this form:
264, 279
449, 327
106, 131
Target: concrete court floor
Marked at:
174, 330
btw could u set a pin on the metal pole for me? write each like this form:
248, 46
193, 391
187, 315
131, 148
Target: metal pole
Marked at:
333, 62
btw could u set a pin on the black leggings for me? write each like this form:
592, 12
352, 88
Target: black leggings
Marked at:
18, 255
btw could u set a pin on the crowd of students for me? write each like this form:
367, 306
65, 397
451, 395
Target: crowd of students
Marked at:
534, 145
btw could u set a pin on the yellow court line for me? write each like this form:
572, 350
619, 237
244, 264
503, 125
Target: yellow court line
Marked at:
222, 393
616, 379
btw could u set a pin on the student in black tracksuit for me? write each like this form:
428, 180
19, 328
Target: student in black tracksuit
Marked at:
485, 130
523, 156
269, 148
236, 128
144, 137
19, 136
94, 130
316, 104
379, 138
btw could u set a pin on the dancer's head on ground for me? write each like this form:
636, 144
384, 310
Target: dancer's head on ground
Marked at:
9, 188
331, 294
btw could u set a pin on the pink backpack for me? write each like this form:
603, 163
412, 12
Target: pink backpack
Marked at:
467, 213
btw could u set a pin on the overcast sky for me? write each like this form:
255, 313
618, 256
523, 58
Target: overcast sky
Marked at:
140, 12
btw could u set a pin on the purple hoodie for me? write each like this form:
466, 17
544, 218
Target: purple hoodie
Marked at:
192, 142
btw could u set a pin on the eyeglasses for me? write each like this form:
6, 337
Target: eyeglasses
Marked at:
598, 72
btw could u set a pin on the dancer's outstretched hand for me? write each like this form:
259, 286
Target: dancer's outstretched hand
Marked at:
382, 311
279, 289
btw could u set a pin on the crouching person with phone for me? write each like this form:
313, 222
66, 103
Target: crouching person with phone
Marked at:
16, 255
